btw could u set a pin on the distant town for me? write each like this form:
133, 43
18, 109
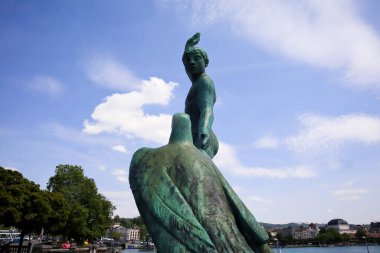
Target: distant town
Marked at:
71, 213
347, 232
132, 233
335, 232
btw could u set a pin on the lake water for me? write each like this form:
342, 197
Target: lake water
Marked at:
351, 249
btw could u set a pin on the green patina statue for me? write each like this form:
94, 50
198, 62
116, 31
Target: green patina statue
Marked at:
186, 203
201, 97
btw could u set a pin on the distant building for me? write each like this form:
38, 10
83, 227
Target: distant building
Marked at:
341, 226
127, 234
303, 233
374, 227
273, 231
133, 234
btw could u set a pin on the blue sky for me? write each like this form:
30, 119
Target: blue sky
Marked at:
298, 92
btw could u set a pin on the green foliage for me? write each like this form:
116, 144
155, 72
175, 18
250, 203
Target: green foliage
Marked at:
15, 193
129, 222
143, 232
137, 221
116, 235
330, 236
360, 233
58, 212
284, 239
125, 222
89, 211
26, 207
345, 238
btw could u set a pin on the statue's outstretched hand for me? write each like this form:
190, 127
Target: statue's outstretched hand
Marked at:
193, 40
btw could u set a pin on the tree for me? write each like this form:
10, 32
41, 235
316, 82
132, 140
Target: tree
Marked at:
89, 212
329, 236
116, 235
58, 213
25, 206
360, 233
143, 232
284, 239
125, 222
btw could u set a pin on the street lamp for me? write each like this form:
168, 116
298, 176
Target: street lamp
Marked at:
365, 239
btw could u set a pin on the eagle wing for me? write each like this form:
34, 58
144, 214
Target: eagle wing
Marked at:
163, 208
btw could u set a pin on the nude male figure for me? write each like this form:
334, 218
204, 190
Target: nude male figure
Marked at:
201, 97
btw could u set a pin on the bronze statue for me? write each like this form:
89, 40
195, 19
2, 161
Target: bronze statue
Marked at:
201, 97
184, 200
186, 203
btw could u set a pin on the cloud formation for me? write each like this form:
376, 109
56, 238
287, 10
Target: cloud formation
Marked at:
106, 71
45, 84
123, 113
227, 160
266, 142
323, 134
121, 175
120, 148
328, 34
350, 193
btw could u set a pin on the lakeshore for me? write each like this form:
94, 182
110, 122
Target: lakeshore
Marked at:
344, 249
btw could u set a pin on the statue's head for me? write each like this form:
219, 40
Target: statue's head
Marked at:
194, 58
195, 50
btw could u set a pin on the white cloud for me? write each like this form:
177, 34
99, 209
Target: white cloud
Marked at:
45, 84
326, 33
227, 160
110, 73
323, 134
120, 148
349, 183
121, 175
350, 193
124, 114
124, 202
267, 142
102, 168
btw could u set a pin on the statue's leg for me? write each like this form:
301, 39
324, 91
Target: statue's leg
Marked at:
211, 207
225, 235
255, 235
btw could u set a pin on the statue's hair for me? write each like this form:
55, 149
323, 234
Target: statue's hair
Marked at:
192, 50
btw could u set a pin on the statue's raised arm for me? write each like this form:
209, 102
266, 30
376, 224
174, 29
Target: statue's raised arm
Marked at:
201, 97
192, 41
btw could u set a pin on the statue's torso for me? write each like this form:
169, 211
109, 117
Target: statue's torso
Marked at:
193, 104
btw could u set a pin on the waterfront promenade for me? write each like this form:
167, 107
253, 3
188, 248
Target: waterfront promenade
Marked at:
348, 249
